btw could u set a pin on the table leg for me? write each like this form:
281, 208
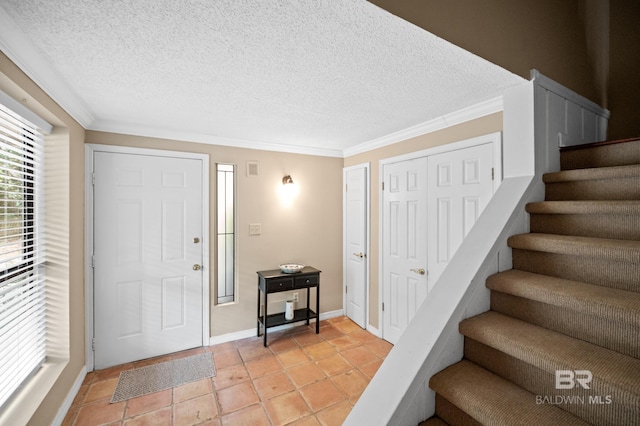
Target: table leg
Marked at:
264, 319
258, 313
318, 309
308, 307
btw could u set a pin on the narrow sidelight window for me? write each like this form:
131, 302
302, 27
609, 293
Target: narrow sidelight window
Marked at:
226, 234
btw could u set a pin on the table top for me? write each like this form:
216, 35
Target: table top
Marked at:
277, 273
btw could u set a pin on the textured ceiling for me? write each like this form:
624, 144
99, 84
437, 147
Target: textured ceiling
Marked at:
318, 76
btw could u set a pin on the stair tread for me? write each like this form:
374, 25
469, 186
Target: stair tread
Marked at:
595, 173
598, 144
550, 351
613, 207
593, 300
600, 154
497, 401
613, 249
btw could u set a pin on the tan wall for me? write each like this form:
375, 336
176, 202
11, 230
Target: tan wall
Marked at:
309, 231
589, 46
516, 35
65, 189
478, 127
624, 89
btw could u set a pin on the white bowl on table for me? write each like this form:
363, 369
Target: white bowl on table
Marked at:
291, 268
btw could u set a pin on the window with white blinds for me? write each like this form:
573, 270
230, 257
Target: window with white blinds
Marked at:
22, 291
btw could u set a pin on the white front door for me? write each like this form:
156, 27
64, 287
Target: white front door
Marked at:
356, 199
404, 240
460, 184
148, 285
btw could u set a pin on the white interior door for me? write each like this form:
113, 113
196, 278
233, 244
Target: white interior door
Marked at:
460, 184
356, 199
404, 243
148, 293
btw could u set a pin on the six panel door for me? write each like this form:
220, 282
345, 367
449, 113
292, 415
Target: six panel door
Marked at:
148, 286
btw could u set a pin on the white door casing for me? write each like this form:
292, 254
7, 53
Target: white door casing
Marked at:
404, 242
356, 246
460, 185
148, 297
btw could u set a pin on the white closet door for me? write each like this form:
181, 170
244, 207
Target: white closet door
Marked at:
356, 244
404, 244
460, 186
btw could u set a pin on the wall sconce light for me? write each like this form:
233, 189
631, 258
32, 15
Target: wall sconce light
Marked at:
288, 191
287, 180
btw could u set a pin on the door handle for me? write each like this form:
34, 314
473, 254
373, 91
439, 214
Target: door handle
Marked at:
196, 267
360, 255
420, 271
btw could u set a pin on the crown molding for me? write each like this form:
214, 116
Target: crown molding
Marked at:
472, 112
16, 45
160, 133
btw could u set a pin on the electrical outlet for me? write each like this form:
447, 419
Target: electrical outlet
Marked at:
295, 297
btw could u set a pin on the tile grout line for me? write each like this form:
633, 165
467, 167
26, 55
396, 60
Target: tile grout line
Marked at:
248, 351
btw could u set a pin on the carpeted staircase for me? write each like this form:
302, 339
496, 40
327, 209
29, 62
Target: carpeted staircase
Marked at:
571, 302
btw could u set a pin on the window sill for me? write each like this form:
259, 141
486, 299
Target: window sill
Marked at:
26, 401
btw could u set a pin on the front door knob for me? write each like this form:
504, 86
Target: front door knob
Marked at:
420, 271
196, 267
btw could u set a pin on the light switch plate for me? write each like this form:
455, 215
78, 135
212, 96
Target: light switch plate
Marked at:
255, 228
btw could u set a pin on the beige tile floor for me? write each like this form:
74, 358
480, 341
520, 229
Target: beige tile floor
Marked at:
301, 378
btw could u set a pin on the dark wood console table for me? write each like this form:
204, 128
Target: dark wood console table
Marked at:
274, 281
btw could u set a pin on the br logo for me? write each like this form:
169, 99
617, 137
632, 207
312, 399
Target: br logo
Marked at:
569, 379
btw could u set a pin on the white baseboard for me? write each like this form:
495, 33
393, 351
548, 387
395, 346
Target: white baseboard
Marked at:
230, 337
73, 392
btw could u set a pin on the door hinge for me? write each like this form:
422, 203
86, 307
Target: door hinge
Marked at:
93, 178
383, 186
346, 187
93, 344
346, 289
382, 306
93, 261
492, 172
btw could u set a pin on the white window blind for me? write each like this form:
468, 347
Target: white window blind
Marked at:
22, 291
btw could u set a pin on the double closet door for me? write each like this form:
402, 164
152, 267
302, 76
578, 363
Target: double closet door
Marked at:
429, 205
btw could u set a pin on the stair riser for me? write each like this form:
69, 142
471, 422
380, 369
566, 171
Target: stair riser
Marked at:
606, 189
615, 335
621, 154
603, 272
451, 414
542, 384
622, 227
492, 400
